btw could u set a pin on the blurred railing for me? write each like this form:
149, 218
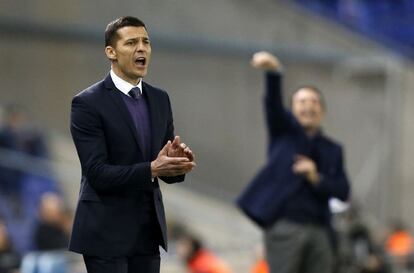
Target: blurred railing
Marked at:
29, 30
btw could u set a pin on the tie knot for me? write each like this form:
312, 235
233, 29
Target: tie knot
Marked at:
135, 93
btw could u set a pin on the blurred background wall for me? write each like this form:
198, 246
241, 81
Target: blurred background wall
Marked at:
51, 50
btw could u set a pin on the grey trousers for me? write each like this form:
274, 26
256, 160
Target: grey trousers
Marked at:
298, 248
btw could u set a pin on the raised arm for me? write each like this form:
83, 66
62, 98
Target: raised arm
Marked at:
277, 118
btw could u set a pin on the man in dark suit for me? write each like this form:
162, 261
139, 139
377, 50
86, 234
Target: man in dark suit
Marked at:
289, 197
123, 131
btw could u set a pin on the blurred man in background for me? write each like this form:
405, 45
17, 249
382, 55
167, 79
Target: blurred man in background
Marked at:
399, 245
197, 258
51, 232
20, 134
123, 132
50, 238
289, 197
11, 140
260, 265
9, 258
21, 141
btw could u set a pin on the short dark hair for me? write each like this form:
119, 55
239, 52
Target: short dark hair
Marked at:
111, 34
315, 89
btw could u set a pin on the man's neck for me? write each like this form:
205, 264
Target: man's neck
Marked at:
311, 132
124, 77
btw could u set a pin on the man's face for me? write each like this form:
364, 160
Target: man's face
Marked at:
307, 108
131, 53
184, 249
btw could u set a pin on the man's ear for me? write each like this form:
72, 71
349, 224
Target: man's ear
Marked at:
110, 53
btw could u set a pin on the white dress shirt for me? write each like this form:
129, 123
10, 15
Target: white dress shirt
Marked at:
123, 85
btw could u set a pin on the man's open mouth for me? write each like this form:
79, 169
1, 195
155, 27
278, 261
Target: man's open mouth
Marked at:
141, 61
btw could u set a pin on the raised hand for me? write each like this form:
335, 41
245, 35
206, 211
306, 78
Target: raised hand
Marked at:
165, 165
265, 60
305, 166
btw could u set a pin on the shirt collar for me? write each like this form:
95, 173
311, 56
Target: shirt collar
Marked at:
123, 85
317, 135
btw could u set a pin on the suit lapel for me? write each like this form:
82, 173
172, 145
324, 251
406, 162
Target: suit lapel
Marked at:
155, 119
116, 98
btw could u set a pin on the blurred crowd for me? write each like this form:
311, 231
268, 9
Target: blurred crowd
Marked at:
35, 223
358, 248
34, 220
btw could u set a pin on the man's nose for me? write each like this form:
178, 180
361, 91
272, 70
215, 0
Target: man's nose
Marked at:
141, 47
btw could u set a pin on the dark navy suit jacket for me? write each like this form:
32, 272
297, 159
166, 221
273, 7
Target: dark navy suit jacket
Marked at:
264, 198
112, 209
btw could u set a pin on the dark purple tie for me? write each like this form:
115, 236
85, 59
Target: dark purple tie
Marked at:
135, 93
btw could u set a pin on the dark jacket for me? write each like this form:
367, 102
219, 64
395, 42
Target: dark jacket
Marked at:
9, 260
49, 236
117, 201
266, 197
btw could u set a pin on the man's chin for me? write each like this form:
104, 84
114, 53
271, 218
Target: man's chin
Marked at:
310, 126
141, 75
142, 72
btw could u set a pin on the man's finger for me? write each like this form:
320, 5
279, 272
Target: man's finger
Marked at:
178, 160
187, 151
176, 141
177, 170
189, 154
164, 150
184, 167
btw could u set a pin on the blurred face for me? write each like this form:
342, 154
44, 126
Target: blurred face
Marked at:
3, 236
307, 108
51, 208
184, 249
131, 53
17, 120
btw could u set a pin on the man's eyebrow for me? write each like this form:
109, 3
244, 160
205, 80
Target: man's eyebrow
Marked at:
131, 39
137, 38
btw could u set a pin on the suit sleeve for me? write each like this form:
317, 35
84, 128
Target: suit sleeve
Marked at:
170, 136
335, 184
89, 138
278, 119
